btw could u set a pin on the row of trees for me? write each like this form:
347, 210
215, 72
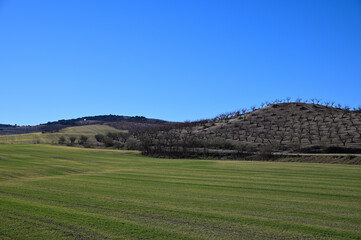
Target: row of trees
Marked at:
241, 111
72, 140
120, 140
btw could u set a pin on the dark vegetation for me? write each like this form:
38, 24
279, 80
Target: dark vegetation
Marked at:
73, 140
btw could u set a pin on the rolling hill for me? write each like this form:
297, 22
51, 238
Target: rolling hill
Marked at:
53, 137
116, 121
281, 127
289, 127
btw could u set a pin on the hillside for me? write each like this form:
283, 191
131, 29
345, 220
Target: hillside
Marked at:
290, 127
277, 128
299, 124
116, 121
53, 138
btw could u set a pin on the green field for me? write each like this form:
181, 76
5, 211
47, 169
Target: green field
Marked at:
52, 192
52, 138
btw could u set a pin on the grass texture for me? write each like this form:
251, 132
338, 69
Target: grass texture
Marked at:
53, 192
52, 138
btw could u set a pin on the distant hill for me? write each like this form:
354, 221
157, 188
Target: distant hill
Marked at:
281, 127
88, 131
116, 121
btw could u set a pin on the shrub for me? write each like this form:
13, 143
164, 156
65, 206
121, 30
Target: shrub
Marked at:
72, 140
99, 137
132, 145
83, 140
61, 140
108, 142
118, 145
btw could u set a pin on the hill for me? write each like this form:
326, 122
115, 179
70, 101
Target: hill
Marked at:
116, 121
288, 127
53, 137
301, 124
281, 127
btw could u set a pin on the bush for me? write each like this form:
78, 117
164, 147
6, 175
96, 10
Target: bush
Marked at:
61, 140
132, 145
113, 136
72, 140
108, 142
99, 137
118, 145
83, 140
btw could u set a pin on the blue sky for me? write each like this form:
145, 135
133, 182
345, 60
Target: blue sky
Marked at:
173, 60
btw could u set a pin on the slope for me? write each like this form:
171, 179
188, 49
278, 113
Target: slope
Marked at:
280, 127
53, 138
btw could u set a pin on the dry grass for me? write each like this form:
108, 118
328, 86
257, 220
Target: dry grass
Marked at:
52, 138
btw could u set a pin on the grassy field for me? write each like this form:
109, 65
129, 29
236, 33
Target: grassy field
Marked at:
52, 192
52, 138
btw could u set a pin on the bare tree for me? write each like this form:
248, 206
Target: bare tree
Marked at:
83, 140
61, 140
72, 140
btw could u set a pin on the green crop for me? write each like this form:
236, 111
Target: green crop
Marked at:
53, 192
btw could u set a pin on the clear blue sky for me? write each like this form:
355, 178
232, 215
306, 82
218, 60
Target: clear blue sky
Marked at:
173, 60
